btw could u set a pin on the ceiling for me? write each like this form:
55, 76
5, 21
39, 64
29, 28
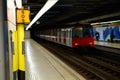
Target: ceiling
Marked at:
74, 11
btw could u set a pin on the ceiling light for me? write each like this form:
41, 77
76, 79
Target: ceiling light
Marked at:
105, 22
45, 8
18, 3
10, 4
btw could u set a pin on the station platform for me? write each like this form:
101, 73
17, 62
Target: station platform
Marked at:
107, 44
43, 65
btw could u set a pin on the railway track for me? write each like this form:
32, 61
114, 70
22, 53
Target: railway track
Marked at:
90, 66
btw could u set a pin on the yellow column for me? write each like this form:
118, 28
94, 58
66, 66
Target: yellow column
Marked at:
15, 54
22, 18
21, 56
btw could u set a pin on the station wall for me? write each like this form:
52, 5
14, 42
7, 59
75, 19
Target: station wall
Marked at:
104, 32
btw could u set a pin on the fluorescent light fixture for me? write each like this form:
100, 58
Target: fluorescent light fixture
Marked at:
105, 22
10, 4
116, 21
45, 8
18, 3
94, 23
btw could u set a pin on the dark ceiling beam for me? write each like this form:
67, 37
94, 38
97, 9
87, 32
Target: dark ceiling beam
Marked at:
72, 13
62, 18
48, 12
51, 12
34, 4
100, 17
47, 16
59, 5
83, 21
41, 4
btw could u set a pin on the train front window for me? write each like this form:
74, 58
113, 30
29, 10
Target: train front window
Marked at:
87, 32
82, 32
77, 33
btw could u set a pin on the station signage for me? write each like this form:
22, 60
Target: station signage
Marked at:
23, 16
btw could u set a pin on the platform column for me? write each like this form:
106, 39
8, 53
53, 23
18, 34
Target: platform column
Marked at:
22, 19
21, 52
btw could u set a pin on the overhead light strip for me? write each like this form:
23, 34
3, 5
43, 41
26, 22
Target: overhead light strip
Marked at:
18, 3
105, 22
45, 8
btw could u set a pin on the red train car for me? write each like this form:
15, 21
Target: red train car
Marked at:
75, 36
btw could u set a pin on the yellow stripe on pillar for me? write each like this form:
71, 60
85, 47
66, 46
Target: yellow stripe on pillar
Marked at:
15, 55
20, 35
21, 61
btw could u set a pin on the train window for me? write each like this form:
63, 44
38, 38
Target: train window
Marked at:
70, 33
77, 33
87, 32
82, 32
66, 33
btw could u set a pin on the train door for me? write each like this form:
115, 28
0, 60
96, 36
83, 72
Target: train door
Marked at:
58, 33
51, 34
54, 35
62, 36
69, 37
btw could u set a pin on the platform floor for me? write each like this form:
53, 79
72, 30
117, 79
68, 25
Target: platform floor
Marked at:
42, 65
108, 44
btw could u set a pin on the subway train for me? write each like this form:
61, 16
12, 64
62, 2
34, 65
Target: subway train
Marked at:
73, 36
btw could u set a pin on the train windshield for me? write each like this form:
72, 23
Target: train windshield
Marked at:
82, 32
87, 32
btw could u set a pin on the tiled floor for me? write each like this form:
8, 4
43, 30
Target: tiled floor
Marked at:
42, 65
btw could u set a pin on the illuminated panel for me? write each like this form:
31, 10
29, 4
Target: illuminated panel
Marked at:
11, 15
23, 16
11, 11
18, 3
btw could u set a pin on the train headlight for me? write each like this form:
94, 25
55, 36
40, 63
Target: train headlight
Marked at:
76, 44
90, 43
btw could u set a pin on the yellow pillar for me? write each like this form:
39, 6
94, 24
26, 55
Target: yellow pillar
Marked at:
21, 56
15, 55
22, 18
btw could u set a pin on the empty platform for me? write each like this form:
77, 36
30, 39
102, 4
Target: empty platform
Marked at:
107, 44
42, 65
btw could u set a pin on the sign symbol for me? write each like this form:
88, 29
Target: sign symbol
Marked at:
23, 16
23, 20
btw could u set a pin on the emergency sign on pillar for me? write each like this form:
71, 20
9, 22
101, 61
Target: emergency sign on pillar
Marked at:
22, 18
